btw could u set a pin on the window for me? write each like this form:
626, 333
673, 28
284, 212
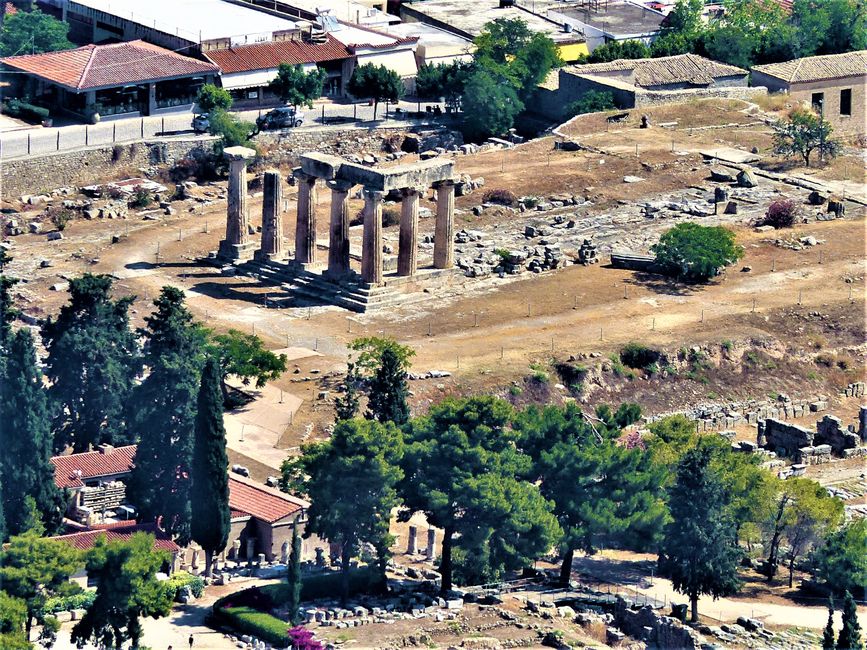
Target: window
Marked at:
846, 101
818, 100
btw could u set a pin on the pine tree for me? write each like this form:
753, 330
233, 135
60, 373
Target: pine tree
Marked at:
93, 361
26, 441
7, 311
210, 490
850, 635
164, 420
293, 577
2, 512
388, 391
699, 552
828, 642
346, 405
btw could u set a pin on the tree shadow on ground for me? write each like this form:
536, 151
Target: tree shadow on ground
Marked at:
663, 284
627, 572
219, 290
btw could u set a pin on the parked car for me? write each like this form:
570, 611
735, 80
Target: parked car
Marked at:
280, 118
201, 123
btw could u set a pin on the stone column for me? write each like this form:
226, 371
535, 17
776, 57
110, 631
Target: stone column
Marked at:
272, 218
407, 254
444, 238
305, 225
413, 538
338, 239
371, 250
862, 423
236, 245
431, 543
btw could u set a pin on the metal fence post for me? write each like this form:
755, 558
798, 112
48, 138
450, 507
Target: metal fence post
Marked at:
28, 144
114, 132
142, 127
58, 139
86, 135
323, 113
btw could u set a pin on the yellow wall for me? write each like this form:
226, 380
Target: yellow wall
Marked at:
572, 51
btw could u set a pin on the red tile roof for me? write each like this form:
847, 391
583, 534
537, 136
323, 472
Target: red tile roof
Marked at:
106, 66
91, 464
265, 56
86, 539
260, 501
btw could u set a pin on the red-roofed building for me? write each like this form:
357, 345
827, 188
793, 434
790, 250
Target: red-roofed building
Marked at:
130, 78
247, 70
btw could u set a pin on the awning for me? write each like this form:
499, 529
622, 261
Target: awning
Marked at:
253, 78
401, 61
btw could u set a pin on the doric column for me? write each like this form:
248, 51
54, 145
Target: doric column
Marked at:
371, 250
407, 254
444, 237
305, 225
338, 242
272, 218
236, 245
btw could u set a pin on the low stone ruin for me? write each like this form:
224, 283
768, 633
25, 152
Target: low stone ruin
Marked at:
656, 630
587, 253
808, 447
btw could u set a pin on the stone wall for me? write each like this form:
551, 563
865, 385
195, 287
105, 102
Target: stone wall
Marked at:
830, 431
657, 630
783, 438
652, 97
41, 174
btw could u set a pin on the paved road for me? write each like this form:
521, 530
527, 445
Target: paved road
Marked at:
20, 143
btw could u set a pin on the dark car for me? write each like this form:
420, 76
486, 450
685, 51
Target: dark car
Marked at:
280, 118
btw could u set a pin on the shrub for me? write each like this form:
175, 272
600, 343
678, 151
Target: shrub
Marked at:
181, 579
26, 111
59, 216
81, 600
500, 197
233, 131
251, 621
571, 373
111, 192
697, 253
592, 101
636, 355
142, 197
781, 214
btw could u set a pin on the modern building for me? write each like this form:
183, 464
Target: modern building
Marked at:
129, 79
638, 82
467, 19
832, 84
368, 13
603, 21
435, 45
247, 70
194, 26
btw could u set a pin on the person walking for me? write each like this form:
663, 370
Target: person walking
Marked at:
191, 641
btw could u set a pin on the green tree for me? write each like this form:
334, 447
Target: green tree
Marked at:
210, 480
295, 86
429, 81
293, 578
233, 131
532, 63
803, 133
619, 50
443, 80
35, 568
351, 482
370, 350
729, 45
602, 491
828, 642
5, 258
699, 552
245, 356
813, 513
346, 404
840, 562
212, 97
460, 467
26, 440
830, 26
850, 635
375, 82
592, 101
93, 361
127, 591
697, 253
388, 391
164, 420
13, 614
682, 30
33, 32
502, 39
490, 104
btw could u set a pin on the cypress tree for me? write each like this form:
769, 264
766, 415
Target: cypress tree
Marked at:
850, 635
93, 361
210, 467
828, 642
293, 577
25, 461
346, 405
164, 415
388, 391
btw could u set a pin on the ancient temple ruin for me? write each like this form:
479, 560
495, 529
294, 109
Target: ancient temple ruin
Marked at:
340, 177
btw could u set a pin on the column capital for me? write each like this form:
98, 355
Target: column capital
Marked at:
303, 176
408, 191
338, 185
448, 182
239, 153
373, 195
